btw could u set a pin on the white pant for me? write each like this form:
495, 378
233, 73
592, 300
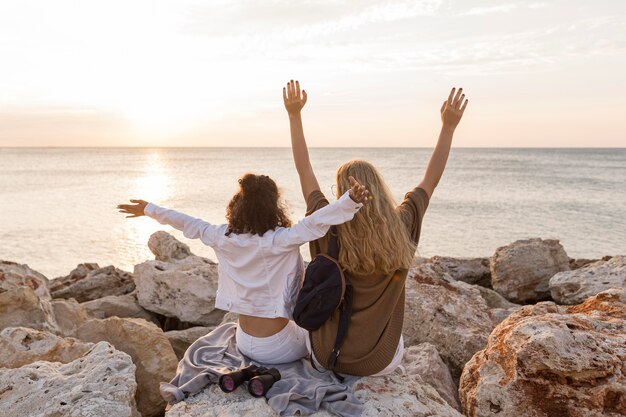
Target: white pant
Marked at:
287, 345
389, 369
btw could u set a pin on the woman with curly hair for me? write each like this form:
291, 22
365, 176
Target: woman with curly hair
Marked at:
375, 249
260, 268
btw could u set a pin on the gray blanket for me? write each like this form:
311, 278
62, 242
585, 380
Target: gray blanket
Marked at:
301, 389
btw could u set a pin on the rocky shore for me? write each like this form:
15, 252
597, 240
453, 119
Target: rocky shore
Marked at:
528, 332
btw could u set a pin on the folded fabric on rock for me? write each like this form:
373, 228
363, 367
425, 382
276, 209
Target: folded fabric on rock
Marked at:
301, 389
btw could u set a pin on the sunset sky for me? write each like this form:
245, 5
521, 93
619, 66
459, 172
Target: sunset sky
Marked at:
210, 73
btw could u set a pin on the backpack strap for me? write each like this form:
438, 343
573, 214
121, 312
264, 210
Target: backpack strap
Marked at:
342, 329
333, 243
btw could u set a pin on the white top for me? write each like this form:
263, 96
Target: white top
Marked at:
259, 275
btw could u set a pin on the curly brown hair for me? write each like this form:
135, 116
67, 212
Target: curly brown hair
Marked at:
256, 208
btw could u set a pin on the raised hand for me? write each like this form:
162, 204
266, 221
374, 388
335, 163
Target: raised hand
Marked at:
135, 210
358, 193
292, 97
453, 108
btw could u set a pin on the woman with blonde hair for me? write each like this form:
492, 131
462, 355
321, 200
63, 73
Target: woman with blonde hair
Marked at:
376, 248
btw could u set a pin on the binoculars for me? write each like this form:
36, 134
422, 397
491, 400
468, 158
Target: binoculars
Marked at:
260, 379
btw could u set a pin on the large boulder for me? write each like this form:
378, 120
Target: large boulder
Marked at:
97, 283
545, 360
118, 306
450, 314
14, 275
100, 383
21, 346
20, 306
474, 271
521, 271
424, 360
184, 289
573, 287
69, 315
148, 347
167, 248
182, 339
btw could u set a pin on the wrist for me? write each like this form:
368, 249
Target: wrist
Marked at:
448, 128
294, 115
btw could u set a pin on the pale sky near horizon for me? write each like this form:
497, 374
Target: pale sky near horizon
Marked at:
210, 73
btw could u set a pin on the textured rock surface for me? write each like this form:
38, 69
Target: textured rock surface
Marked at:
69, 315
97, 283
182, 339
14, 275
78, 273
184, 289
450, 314
150, 350
521, 271
573, 287
118, 306
20, 306
545, 360
470, 270
167, 248
493, 299
21, 346
100, 383
424, 360
396, 395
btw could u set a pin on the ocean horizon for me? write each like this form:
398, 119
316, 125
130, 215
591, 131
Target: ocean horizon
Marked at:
58, 203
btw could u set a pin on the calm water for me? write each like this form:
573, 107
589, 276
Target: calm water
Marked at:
57, 206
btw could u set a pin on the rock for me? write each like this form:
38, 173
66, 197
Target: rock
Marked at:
182, 339
493, 299
14, 275
521, 271
470, 270
97, 283
77, 274
499, 314
401, 395
21, 346
118, 306
545, 360
394, 395
148, 347
100, 383
230, 317
69, 315
167, 248
424, 360
450, 314
184, 289
573, 287
21, 306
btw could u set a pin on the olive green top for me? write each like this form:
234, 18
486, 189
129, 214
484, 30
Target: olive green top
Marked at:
378, 302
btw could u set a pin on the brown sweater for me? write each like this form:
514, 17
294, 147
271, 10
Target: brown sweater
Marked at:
378, 302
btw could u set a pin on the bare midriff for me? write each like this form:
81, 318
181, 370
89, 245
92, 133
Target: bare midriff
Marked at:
261, 326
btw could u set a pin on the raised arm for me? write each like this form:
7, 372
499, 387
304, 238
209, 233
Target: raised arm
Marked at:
294, 102
317, 224
192, 228
451, 113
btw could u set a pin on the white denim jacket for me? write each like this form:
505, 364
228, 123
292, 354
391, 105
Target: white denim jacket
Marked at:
259, 275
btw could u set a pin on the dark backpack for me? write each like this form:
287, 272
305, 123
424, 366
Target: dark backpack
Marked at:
325, 289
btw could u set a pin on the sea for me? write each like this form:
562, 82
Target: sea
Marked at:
58, 205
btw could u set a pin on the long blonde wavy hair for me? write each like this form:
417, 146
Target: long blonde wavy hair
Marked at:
376, 240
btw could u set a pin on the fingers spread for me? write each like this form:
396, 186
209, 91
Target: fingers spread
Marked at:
443, 106
457, 97
297, 89
451, 96
458, 104
464, 106
284, 94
